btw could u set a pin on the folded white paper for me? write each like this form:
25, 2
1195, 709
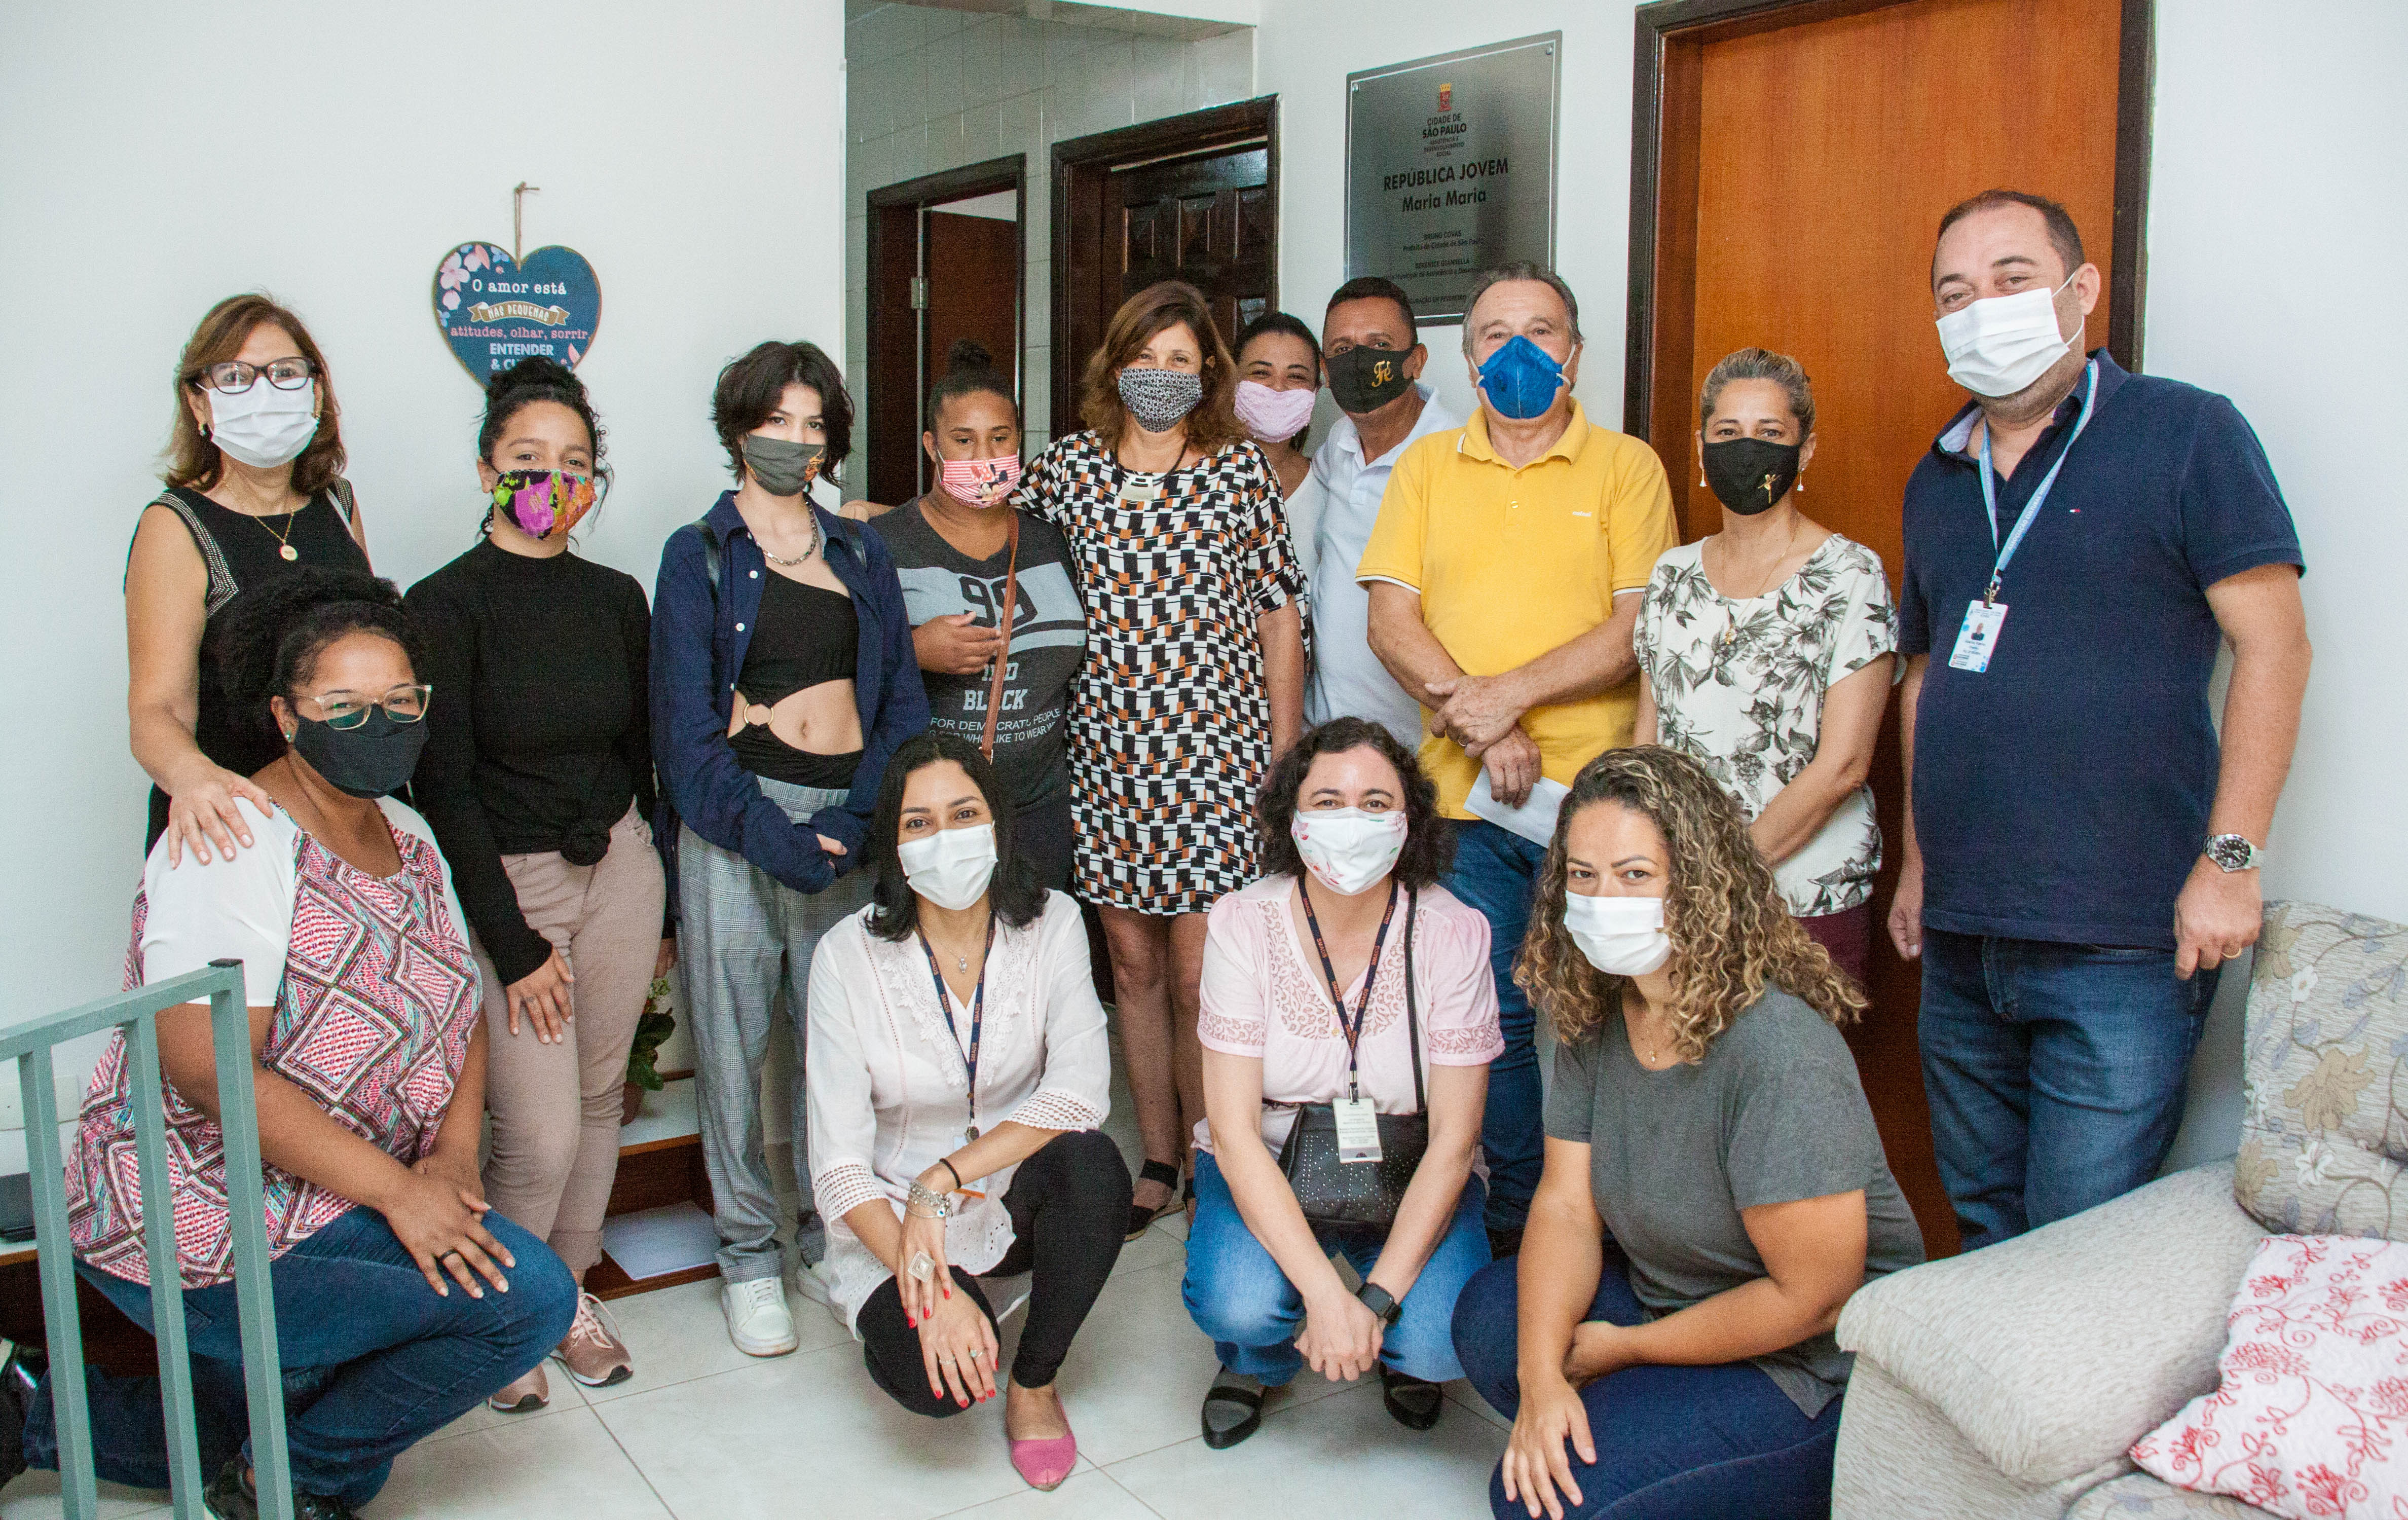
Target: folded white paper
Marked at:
652, 1241
1534, 820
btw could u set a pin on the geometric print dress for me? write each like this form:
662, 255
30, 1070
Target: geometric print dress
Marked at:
1171, 723
376, 997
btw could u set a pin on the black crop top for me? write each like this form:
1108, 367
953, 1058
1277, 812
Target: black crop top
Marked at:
805, 637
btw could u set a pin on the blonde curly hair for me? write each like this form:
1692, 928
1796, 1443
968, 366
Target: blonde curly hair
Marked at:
1732, 936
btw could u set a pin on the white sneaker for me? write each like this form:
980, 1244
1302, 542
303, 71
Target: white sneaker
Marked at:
757, 1320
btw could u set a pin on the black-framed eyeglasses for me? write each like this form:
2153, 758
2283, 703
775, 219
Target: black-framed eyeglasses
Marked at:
234, 377
349, 709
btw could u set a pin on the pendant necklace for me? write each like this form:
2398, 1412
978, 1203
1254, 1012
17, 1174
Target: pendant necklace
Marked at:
1730, 632
818, 534
283, 539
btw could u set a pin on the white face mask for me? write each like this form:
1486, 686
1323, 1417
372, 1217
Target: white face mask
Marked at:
1348, 850
952, 869
1997, 346
1620, 936
263, 426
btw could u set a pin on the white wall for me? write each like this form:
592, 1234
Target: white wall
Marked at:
693, 153
2275, 217
934, 90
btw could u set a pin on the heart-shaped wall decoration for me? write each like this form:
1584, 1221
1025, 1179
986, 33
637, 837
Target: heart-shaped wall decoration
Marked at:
495, 310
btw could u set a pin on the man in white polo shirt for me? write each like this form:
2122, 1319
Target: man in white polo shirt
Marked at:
1373, 353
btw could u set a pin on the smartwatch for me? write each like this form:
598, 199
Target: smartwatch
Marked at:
1380, 1301
2234, 853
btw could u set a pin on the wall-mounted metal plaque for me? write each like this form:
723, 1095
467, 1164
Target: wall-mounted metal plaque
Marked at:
1450, 168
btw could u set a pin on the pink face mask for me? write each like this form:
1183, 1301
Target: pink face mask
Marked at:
1273, 416
979, 482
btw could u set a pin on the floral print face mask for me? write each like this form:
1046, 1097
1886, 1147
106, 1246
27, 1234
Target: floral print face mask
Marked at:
543, 503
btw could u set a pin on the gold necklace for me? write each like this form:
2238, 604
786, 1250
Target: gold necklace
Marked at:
1731, 633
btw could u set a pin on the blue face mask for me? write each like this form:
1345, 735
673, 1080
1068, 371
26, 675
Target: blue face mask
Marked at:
1521, 380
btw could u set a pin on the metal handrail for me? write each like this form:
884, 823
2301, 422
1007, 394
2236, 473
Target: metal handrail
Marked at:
136, 1013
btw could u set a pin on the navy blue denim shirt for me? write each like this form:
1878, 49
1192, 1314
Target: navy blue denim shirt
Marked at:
699, 635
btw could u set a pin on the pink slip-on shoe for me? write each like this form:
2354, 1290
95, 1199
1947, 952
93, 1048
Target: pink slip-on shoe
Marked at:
1045, 1463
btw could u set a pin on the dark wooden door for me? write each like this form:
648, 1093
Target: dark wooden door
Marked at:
1205, 220
1804, 168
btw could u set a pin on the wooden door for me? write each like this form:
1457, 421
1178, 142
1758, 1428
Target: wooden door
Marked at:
973, 292
1803, 170
1205, 220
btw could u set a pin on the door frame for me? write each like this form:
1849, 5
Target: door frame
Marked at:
1081, 167
1664, 195
983, 178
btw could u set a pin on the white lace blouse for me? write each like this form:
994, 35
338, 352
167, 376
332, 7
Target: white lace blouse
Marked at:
888, 1084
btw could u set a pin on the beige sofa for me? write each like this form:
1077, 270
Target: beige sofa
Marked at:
2009, 1382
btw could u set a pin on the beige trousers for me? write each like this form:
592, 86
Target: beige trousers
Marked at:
555, 1108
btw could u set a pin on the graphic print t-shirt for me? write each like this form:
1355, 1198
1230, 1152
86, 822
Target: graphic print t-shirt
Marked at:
1049, 639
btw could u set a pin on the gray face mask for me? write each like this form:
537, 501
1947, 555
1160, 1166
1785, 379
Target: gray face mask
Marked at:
784, 469
1158, 398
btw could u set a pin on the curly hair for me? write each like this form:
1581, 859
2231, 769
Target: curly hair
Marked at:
538, 378
1429, 843
751, 388
271, 639
1732, 936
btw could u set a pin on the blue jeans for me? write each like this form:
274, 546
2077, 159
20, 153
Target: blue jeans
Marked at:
1237, 1293
374, 1360
1673, 1443
1496, 871
2055, 1073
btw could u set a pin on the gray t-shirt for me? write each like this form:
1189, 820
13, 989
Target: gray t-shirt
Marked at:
1049, 639
1773, 1113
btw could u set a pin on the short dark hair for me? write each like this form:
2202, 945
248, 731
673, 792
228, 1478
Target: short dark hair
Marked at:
1505, 274
2063, 235
750, 389
1280, 322
272, 638
1015, 892
969, 370
1377, 288
1429, 842
526, 383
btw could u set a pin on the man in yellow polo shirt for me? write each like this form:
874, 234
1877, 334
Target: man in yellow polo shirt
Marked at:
1504, 575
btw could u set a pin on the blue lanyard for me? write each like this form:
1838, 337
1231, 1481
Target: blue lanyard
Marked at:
2031, 508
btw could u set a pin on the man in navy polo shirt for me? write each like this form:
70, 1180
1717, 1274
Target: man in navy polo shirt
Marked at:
2080, 856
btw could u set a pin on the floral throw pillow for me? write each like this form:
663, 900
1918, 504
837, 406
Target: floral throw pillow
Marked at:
2311, 1416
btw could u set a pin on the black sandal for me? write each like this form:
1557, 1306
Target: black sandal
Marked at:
1238, 1391
1141, 1217
1415, 1403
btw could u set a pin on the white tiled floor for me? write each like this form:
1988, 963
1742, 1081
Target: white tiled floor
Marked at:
704, 1432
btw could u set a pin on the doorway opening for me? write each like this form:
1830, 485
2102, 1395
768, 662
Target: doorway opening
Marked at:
945, 255
1192, 198
1790, 162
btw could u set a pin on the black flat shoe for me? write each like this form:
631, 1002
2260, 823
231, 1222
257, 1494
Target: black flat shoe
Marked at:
1141, 1217
20, 1375
1415, 1403
1232, 1390
231, 1496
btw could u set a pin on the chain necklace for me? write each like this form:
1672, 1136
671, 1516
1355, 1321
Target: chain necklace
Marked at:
283, 539
818, 536
1731, 633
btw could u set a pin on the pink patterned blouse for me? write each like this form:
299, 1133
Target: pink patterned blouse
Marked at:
376, 997
1264, 996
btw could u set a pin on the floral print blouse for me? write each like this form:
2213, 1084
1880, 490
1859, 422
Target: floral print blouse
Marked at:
1739, 683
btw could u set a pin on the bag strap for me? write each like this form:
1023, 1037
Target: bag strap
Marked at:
710, 554
1412, 1020
1003, 650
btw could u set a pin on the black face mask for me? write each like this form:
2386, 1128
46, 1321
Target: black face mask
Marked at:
1749, 475
1365, 379
369, 761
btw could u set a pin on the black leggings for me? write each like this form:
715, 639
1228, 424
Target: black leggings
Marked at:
1069, 1206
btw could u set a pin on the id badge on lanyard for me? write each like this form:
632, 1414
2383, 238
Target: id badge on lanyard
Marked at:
1358, 1117
1977, 639
1358, 1129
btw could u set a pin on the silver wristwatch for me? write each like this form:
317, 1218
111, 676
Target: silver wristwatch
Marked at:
2234, 854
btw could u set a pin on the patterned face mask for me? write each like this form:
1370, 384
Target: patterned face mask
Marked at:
979, 482
543, 503
1158, 398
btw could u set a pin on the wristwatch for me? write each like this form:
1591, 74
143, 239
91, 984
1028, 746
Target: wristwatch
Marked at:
2234, 854
1380, 1301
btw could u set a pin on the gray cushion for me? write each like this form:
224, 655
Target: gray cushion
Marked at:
2139, 1497
2055, 1351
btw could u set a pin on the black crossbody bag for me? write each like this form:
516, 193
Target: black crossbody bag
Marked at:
1335, 1192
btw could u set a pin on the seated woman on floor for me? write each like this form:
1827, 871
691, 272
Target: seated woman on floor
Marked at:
401, 1299
1706, 1115
1346, 975
959, 1076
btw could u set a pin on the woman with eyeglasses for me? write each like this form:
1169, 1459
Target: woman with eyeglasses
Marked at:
255, 490
960, 1075
402, 1295
538, 777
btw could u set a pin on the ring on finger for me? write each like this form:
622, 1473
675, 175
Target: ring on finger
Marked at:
922, 1267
